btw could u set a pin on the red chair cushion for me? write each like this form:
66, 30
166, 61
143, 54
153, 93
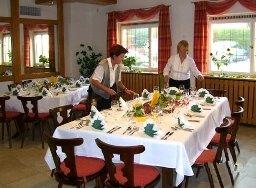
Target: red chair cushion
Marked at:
216, 139
207, 156
143, 174
12, 115
40, 115
80, 107
85, 166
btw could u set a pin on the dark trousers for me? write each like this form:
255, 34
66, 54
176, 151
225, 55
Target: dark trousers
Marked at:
102, 103
177, 83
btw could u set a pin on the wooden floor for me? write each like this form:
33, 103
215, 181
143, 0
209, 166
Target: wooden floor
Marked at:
26, 167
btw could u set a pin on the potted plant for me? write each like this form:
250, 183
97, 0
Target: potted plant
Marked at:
129, 62
44, 61
88, 60
221, 59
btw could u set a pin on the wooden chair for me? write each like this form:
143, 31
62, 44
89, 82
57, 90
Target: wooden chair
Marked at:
75, 170
240, 102
64, 112
32, 117
127, 174
6, 117
217, 92
213, 156
80, 110
231, 137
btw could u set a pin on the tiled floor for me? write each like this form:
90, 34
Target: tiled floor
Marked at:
25, 168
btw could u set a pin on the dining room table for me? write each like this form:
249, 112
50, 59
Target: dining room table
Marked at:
173, 148
58, 98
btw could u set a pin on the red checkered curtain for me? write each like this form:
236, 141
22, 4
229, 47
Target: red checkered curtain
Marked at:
51, 47
200, 25
164, 34
164, 38
5, 28
26, 29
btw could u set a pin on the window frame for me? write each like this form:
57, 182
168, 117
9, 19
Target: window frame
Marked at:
243, 19
137, 24
34, 33
2, 47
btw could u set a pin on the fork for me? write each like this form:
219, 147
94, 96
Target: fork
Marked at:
135, 129
128, 129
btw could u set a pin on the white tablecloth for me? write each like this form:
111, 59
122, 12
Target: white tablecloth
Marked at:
46, 103
179, 151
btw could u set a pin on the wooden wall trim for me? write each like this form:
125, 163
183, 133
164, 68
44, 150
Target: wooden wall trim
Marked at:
226, 78
61, 61
16, 59
36, 21
38, 75
5, 19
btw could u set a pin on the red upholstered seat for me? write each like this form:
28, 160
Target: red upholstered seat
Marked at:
143, 174
85, 166
208, 156
80, 107
12, 115
216, 138
40, 115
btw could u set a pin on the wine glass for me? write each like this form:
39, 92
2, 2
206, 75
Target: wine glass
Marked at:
136, 96
193, 92
156, 88
181, 88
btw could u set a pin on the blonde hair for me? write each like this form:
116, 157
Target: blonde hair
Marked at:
182, 43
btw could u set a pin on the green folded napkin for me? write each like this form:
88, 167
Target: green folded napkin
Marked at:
148, 130
98, 124
196, 108
202, 93
209, 100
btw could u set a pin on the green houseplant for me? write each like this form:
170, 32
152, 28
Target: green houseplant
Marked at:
43, 60
129, 62
88, 60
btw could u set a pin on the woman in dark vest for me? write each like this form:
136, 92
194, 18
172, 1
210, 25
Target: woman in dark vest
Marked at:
105, 82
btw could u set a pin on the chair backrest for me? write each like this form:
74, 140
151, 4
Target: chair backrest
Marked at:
223, 130
240, 102
126, 154
67, 146
237, 117
34, 103
64, 112
2, 107
217, 92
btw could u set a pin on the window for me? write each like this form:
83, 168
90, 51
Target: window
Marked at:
236, 35
40, 48
6, 49
141, 40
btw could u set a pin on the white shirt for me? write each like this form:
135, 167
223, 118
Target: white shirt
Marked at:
180, 71
99, 72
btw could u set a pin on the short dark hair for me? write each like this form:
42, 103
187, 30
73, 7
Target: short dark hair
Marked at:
116, 50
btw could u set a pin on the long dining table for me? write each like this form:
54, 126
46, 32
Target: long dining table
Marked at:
73, 96
176, 153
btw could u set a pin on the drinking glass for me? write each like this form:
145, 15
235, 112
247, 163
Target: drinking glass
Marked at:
156, 88
136, 96
181, 88
193, 92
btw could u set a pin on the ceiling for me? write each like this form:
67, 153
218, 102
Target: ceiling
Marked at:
98, 2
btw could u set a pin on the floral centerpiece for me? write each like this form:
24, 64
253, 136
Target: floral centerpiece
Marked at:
221, 58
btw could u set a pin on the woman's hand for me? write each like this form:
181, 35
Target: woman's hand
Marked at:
200, 77
111, 92
129, 92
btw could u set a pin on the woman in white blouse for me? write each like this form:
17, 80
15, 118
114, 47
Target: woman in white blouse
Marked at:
179, 67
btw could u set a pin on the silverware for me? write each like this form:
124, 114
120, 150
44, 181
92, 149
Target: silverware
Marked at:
113, 129
167, 136
193, 120
135, 129
128, 129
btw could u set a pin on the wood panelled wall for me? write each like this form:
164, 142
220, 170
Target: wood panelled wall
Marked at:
235, 87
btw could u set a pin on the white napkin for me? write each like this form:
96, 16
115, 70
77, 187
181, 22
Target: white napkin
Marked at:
96, 119
78, 83
46, 92
145, 94
122, 104
183, 122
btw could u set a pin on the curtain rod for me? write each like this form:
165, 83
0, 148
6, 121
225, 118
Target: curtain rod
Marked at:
140, 8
